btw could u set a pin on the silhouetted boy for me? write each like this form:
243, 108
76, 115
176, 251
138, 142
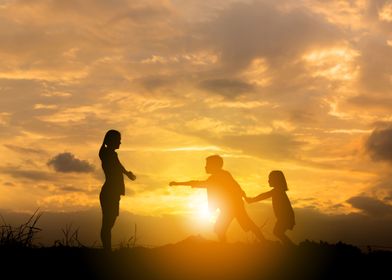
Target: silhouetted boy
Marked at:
226, 194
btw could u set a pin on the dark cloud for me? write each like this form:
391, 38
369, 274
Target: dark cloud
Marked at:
375, 61
273, 146
226, 87
357, 229
24, 150
152, 83
260, 29
67, 162
143, 14
382, 188
69, 188
370, 206
32, 175
379, 144
388, 198
370, 102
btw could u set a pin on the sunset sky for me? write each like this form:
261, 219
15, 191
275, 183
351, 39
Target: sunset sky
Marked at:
303, 86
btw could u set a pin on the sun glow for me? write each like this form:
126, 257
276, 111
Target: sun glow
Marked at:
200, 210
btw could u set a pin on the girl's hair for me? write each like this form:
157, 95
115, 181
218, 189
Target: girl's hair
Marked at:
110, 136
278, 180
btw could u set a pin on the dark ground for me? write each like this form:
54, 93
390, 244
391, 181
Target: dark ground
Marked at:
196, 258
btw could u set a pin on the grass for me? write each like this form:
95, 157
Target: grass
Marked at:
192, 259
70, 238
20, 236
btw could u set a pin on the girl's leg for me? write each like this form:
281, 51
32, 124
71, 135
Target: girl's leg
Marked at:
279, 232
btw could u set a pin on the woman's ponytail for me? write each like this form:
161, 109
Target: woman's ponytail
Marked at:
110, 136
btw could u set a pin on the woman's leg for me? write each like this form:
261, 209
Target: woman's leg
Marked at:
106, 231
110, 211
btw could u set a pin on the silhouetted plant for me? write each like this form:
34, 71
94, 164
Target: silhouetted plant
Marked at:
70, 238
20, 236
131, 242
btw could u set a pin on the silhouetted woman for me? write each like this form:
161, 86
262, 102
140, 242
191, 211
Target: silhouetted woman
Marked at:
113, 187
280, 203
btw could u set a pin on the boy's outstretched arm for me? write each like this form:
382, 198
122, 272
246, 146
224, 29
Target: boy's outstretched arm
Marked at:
260, 197
193, 184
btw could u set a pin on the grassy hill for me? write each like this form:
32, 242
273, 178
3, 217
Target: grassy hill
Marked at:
197, 258
190, 259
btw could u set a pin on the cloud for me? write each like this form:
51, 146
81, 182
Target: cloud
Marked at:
357, 229
371, 102
379, 144
24, 150
69, 188
226, 87
163, 70
275, 146
260, 29
375, 57
370, 206
152, 83
67, 162
272, 146
32, 175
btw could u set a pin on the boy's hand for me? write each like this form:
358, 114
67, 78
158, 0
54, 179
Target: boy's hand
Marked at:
173, 183
131, 175
248, 199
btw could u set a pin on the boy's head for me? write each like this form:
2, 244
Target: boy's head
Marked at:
213, 164
277, 180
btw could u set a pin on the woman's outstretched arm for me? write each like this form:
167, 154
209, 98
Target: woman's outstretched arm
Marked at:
129, 173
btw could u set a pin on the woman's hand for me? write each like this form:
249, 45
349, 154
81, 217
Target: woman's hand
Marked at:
131, 175
173, 183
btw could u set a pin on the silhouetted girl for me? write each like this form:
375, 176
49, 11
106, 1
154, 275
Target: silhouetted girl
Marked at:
113, 187
280, 203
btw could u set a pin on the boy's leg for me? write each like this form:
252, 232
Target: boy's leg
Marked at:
222, 223
247, 224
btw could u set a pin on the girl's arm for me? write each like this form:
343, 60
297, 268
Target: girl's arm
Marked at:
260, 197
193, 184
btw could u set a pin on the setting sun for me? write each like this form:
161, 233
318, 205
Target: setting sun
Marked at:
199, 208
